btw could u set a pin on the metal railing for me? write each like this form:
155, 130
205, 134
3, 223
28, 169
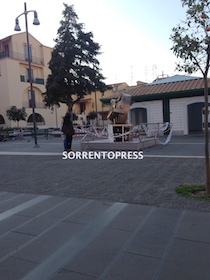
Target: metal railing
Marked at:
39, 81
21, 56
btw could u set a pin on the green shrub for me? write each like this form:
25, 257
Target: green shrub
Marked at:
193, 191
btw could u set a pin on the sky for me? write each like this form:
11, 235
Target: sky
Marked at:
133, 34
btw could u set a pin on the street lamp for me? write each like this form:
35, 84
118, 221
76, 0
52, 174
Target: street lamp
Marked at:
17, 28
102, 94
96, 110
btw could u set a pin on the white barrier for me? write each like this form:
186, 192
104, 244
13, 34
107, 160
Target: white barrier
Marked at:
142, 132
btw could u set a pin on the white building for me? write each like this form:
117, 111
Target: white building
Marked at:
177, 99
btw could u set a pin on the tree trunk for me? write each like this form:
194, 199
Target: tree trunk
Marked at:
206, 136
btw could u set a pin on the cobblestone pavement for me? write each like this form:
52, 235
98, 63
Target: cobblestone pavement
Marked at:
151, 181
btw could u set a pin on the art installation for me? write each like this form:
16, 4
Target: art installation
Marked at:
120, 109
119, 116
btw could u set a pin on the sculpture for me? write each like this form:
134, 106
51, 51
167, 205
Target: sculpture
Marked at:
120, 109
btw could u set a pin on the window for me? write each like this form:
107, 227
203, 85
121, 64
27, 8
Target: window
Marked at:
2, 121
38, 117
26, 53
6, 50
30, 99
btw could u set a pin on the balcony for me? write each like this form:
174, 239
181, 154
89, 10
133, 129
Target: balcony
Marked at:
21, 57
34, 81
38, 105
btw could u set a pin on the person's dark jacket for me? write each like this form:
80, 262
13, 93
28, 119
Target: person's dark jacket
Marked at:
67, 128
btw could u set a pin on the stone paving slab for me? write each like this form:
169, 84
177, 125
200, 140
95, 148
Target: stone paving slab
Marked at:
48, 242
186, 260
156, 243
100, 251
13, 268
191, 231
154, 237
135, 267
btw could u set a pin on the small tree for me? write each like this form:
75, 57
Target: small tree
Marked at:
92, 116
75, 117
191, 43
16, 115
74, 65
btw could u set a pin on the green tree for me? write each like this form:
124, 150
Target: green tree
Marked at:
74, 65
191, 43
92, 115
75, 117
16, 115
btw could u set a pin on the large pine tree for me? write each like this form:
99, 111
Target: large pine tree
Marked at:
74, 65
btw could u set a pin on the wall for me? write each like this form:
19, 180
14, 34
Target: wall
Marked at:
94, 98
4, 97
154, 110
13, 91
179, 113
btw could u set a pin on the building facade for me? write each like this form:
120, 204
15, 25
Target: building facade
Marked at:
178, 100
92, 102
14, 81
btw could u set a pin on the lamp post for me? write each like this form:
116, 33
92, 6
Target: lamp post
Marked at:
56, 117
17, 28
96, 110
102, 94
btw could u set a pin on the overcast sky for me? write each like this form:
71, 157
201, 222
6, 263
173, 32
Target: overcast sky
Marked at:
133, 34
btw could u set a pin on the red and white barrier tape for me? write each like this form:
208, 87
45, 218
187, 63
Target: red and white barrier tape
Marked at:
141, 131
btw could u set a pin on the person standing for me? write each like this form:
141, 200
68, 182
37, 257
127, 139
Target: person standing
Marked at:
68, 131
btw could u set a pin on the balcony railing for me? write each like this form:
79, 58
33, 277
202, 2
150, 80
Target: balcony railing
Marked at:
38, 105
21, 56
34, 81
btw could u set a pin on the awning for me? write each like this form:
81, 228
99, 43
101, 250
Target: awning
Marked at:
88, 100
103, 112
106, 100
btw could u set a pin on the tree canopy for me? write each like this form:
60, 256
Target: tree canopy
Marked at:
92, 115
191, 40
16, 115
74, 65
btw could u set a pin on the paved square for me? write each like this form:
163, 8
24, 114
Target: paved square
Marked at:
102, 219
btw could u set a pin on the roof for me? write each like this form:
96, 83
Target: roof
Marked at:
172, 79
5, 39
168, 87
171, 87
18, 34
